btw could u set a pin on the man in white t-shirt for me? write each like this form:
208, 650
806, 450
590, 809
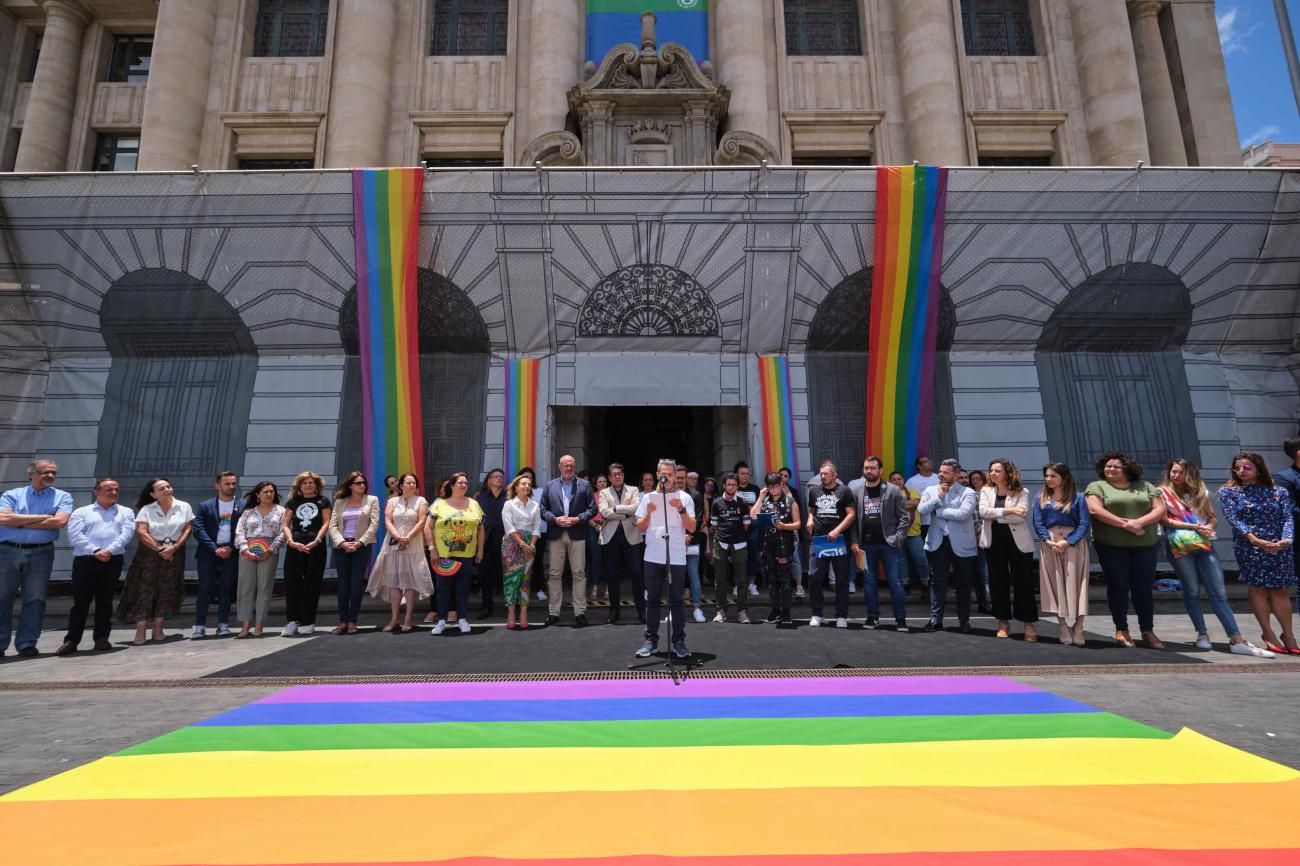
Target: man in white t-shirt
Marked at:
664, 518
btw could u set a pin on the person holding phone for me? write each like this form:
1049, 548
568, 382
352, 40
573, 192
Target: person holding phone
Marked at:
777, 515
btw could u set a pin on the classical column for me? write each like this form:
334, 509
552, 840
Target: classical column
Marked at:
176, 96
365, 34
742, 64
47, 125
1164, 129
1108, 81
554, 58
1213, 127
927, 64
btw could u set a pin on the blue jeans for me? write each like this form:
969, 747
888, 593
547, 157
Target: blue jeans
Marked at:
751, 565
893, 560
223, 572
693, 574
1130, 572
27, 569
1202, 569
351, 570
918, 566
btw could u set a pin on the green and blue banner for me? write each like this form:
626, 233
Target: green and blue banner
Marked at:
613, 22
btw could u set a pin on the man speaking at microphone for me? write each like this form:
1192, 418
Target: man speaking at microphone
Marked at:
664, 517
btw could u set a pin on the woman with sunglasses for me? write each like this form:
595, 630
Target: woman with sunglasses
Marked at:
1262, 532
354, 522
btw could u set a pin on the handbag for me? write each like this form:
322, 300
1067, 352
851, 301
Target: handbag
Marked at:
1183, 541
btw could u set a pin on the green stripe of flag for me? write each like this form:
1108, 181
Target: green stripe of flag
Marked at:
636, 7
649, 733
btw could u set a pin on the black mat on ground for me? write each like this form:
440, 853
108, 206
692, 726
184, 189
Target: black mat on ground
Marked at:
563, 648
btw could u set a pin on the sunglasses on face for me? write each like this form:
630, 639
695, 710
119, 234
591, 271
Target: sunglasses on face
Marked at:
1246, 467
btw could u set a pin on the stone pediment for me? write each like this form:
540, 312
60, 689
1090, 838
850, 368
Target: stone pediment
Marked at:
671, 67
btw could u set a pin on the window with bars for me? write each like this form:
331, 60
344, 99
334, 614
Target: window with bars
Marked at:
1003, 161
822, 27
129, 60
469, 27
291, 28
997, 27
815, 161
116, 153
274, 164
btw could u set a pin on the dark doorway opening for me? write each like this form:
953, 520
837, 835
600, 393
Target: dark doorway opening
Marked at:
639, 436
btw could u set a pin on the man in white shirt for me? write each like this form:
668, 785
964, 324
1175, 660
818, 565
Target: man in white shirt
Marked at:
99, 534
664, 518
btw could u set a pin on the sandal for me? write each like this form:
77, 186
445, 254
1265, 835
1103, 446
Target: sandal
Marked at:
1031, 634
390, 627
1004, 629
406, 629
352, 628
341, 628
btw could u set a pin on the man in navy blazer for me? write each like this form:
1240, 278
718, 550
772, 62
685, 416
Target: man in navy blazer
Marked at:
216, 559
567, 504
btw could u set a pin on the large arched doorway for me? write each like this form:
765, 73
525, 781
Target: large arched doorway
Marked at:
838, 341
180, 390
454, 361
1111, 372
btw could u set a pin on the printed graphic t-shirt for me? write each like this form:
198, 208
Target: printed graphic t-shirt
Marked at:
308, 515
456, 532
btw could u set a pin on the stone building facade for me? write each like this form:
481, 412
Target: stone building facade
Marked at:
224, 84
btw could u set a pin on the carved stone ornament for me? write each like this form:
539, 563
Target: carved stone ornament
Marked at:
554, 148
648, 301
744, 148
648, 132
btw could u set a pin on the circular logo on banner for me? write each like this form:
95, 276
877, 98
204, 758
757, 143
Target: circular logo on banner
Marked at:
688, 4
445, 567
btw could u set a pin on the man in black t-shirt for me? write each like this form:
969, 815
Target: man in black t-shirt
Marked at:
831, 511
877, 537
729, 516
748, 492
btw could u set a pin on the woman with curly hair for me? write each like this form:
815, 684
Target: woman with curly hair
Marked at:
306, 522
459, 540
1125, 511
1262, 531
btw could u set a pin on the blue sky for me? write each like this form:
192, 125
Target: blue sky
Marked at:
1257, 74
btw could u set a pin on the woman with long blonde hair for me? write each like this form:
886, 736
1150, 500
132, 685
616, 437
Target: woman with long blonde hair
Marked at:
1061, 523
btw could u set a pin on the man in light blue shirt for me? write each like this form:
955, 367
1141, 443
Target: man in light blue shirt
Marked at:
949, 543
99, 533
30, 520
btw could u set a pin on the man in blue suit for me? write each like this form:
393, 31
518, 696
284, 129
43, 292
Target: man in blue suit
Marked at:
217, 560
567, 505
949, 543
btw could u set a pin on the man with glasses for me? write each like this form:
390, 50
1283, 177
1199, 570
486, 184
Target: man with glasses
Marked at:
30, 520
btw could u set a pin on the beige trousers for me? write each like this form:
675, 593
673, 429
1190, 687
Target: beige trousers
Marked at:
575, 552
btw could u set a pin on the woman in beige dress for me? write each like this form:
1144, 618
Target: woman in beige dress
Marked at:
1061, 523
401, 569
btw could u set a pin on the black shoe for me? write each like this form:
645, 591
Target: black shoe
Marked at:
613, 617
984, 609
29, 652
932, 625
580, 621
965, 628
872, 622
786, 620
773, 616
552, 619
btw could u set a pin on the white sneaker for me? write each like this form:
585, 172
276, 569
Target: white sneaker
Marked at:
753, 590
1246, 648
463, 625
800, 592
1203, 642
541, 595
841, 623
743, 618
814, 621
699, 615
223, 630
853, 587
197, 632
306, 629
439, 627
720, 616
901, 628
290, 629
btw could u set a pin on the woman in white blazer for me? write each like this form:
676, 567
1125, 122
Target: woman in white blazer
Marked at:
1008, 543
354, 523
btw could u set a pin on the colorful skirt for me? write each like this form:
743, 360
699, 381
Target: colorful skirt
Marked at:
517, 568
153, 588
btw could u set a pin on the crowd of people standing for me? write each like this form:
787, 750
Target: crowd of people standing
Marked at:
673, 534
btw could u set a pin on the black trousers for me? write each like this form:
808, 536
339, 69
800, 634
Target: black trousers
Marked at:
777, 569
817, 577
303, 575
1011, 574
92, 581
619, 560
489, 570
655, 572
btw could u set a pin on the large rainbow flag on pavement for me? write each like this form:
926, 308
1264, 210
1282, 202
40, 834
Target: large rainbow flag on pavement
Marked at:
910, 205
613, 22
386, 221
840, 770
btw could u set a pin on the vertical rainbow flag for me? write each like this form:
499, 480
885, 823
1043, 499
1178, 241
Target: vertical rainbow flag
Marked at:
910, 203
386, 218
1019, 777
521, 413
613, 22
778, 414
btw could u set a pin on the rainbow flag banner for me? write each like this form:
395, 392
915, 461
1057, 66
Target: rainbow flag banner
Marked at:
910, 203
613, 22
778, 414
845, 770
521, 414
386, 220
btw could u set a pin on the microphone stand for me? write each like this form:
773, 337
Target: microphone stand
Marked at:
668, 567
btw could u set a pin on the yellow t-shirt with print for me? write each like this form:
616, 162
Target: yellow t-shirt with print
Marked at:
456, 530
915, 528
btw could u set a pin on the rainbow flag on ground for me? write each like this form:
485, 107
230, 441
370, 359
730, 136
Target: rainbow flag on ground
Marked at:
910, 203
613, 22
778, 415
773, 771
521, 414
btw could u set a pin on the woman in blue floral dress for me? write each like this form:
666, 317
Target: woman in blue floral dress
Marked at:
1262, 532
